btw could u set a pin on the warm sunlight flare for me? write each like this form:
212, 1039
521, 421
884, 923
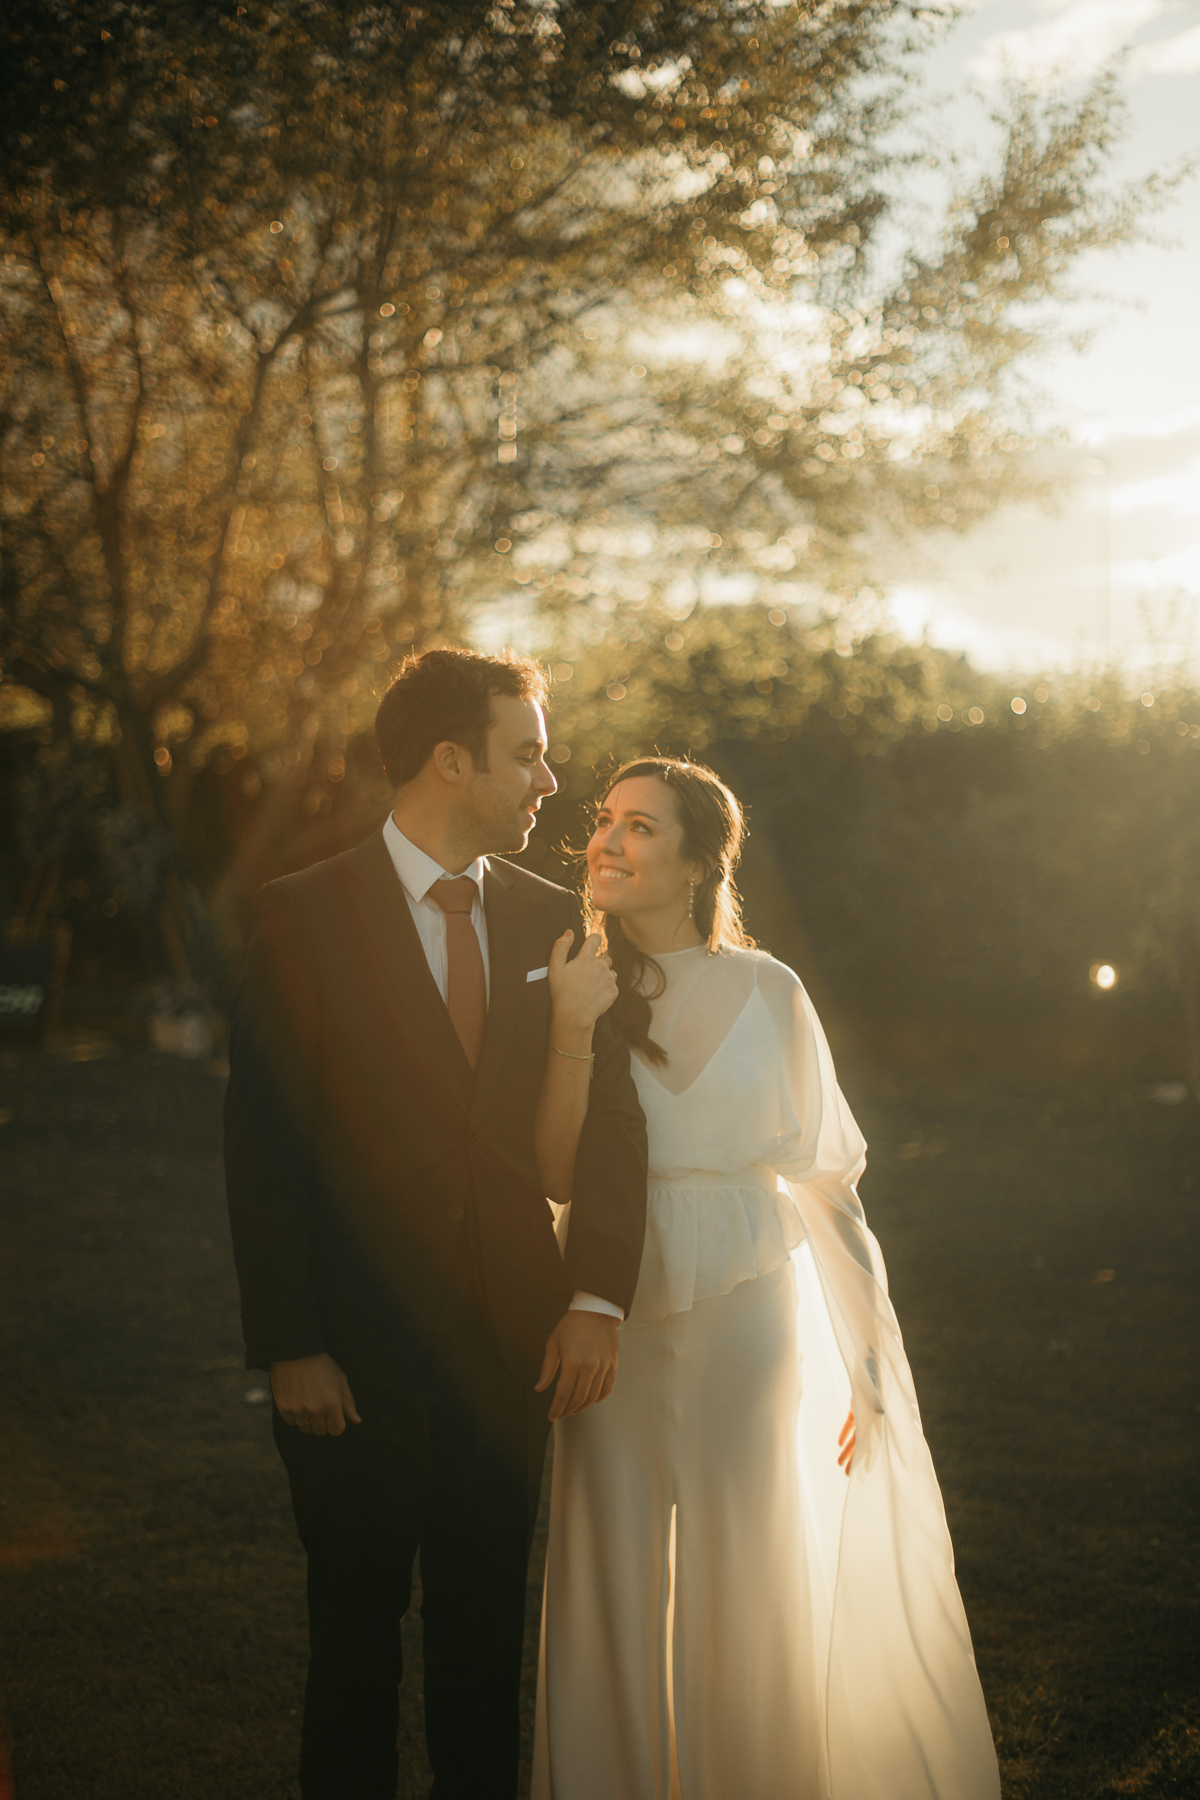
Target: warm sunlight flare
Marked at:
531, 535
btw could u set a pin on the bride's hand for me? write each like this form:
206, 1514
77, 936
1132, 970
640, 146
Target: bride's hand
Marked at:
846, 1442
582, 989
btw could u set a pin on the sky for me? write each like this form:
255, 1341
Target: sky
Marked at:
1112, 573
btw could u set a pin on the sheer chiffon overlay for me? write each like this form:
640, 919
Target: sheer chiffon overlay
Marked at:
726, 1616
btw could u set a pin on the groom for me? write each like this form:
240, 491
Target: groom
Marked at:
399, 1273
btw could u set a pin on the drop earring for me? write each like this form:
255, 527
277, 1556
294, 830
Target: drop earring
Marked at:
691, 899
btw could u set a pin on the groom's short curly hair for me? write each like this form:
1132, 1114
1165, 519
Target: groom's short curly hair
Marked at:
440, 696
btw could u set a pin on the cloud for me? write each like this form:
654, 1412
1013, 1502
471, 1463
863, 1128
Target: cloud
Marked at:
1170, 56
1175, 571
1031, 589
919, 612
1075, 44
1177, 495
1137, 452
1137, 425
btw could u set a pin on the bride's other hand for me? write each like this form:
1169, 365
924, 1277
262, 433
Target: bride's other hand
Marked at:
846, 1442
582, 989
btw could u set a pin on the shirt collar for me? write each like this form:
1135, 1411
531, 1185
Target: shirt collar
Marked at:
418, 871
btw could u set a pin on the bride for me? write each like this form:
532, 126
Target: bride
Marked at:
726, 1615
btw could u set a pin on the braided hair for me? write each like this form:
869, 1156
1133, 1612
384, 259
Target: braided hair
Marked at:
713, 830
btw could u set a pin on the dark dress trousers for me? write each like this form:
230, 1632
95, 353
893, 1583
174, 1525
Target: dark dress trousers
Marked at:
386, 1209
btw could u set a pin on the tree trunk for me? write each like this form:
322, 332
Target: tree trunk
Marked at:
144, 789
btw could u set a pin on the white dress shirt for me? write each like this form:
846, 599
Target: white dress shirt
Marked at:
418, 872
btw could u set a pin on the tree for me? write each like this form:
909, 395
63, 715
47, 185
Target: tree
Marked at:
321, 333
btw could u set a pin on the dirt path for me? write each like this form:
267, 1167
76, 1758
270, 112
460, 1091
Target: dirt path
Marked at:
151, 1589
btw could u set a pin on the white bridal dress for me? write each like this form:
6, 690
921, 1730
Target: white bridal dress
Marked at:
727, 1617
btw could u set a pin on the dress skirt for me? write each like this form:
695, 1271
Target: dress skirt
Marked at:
677, 1653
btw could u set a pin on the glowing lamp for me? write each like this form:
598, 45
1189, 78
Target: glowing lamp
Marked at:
1102, 976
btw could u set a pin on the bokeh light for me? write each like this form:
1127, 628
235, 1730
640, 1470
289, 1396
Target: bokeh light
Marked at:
1103, 976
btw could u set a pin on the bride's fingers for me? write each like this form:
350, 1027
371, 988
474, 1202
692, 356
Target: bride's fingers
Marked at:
564, 1397
585, 1390
601, 1385
561, 949
549, 1366
565, 1392
581, 1392
595, 1390
847, 1439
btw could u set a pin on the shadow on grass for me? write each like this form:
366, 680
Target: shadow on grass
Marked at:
1042, 1254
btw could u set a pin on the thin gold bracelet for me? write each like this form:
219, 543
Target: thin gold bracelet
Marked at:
573, 1054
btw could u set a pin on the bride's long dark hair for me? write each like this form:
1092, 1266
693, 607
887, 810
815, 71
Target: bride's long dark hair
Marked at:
713, 830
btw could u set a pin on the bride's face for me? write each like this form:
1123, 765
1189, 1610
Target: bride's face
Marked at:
635, 854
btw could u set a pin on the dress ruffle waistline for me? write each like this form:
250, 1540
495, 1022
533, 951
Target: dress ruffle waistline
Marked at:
706, 1233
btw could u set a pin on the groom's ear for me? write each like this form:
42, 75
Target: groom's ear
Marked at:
452, 762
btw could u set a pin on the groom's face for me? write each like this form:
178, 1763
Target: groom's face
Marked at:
500, 802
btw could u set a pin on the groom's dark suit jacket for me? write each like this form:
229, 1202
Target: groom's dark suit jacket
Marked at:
371, 1173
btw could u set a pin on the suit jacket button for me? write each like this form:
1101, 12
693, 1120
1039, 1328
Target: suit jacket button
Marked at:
455, 1213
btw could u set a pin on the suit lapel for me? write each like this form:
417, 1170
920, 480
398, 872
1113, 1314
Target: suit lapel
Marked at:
382, 906
507, 929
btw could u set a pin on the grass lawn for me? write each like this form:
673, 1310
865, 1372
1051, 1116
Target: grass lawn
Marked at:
1043, 1262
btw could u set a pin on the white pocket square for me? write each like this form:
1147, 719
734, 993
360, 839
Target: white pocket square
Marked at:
537, 974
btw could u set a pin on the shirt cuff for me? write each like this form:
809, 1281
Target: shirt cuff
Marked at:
581, 1302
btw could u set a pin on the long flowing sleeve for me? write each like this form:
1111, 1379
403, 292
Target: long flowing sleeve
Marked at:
904, 1711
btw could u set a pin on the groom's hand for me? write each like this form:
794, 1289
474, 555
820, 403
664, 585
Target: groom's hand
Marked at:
582, 1348
312, 1393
